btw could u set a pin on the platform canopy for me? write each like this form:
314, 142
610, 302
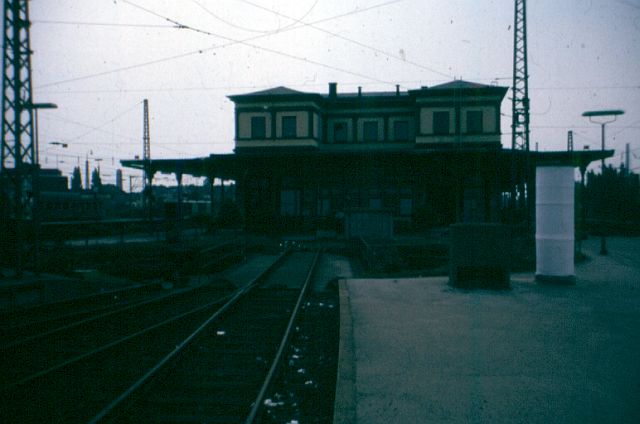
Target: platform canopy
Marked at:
232, 165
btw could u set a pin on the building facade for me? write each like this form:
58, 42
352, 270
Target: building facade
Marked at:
426, 157
458, 113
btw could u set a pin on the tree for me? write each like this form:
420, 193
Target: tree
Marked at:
613, 199
96, 181
76, 180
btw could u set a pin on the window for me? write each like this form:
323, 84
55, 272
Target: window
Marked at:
406, 207
289, 127
474, 122
401, 130
370, 130
258, 127
290, 203
340, 132
440, 123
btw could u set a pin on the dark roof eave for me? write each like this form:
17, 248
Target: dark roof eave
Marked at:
498, 91
576, 158
250, 98
231, 163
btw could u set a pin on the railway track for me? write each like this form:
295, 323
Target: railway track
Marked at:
35, 321
39, 319
165, 362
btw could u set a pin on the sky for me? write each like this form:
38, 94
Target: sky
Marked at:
98, 59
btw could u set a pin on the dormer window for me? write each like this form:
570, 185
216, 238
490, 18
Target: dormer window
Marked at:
289, 127
258, 127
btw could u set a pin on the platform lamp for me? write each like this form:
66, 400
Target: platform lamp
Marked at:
62, 145
607, 117
35, 107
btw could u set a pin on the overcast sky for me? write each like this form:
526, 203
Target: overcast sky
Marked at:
98, 59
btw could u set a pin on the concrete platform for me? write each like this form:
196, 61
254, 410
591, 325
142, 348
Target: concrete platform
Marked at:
420, 351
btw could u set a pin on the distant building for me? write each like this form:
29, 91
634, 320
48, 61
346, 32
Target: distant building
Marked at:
70, 206
58, 203
52, 180
119, 182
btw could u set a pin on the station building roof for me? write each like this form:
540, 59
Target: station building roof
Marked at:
233, 165
285, 93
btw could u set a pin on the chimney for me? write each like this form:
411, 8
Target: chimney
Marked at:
333, 89
397, 89
359, 91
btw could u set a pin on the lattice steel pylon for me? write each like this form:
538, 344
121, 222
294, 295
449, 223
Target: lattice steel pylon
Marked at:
520, 102
146, 156
19, 160
522, 187
146, 139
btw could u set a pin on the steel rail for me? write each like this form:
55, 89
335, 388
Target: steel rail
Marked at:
146, 378
71, 315
110, 345
258, 403
112, 309
59, 303
93, 318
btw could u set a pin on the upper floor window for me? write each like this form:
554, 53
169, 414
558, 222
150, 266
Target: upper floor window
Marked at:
258, 127
441, 123
289, 127
474, 122
340, 132
401, 130
370, 130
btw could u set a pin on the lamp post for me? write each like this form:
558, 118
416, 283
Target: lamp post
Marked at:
594, 115
62, 145
35, 107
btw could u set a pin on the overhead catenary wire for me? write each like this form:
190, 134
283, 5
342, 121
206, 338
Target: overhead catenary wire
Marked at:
105, 24
303, 85
230, 42
231, 24
92, 127
531, 88
350, 40
110, 121
127, 137
267, 49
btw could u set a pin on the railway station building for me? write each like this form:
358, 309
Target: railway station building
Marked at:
359, 162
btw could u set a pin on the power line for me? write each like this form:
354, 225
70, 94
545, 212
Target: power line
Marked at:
106, 24
258, 87
350, 40
231, 24
580, 126
230, 43
93, 129
610, 87
267, 49
162, 145
70, 121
